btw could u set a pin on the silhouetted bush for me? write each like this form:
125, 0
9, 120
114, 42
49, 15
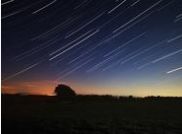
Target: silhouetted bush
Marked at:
130, 97
64, 91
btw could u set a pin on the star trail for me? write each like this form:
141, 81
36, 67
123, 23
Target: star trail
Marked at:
103, 45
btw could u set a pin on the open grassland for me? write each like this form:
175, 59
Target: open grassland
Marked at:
91, 115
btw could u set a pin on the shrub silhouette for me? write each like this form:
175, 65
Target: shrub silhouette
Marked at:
64, 91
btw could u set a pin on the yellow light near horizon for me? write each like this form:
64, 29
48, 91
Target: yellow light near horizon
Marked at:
47, 88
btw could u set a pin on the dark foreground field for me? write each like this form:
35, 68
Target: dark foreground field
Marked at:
90, 115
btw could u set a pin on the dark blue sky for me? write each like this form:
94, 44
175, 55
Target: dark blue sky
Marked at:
115, 47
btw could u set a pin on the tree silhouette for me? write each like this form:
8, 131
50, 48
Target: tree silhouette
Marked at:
64, 91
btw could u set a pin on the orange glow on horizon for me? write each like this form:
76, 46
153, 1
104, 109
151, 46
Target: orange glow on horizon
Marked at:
47, 88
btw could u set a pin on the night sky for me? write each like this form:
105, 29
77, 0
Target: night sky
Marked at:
117, 47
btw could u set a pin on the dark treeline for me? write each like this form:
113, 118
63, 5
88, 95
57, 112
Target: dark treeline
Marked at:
66, 93
44, 98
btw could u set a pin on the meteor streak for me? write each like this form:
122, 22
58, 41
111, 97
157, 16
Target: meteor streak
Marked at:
136, 17
42, 8
74, 32
76, 44
95, 67
174, 70
175, 38
56, 28
166, 56
75, 69
20, 72
126, 43
7, 2
116, 6
135, 2
81, 4
70, 43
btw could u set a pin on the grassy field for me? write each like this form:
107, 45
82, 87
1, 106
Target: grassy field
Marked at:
91, 115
